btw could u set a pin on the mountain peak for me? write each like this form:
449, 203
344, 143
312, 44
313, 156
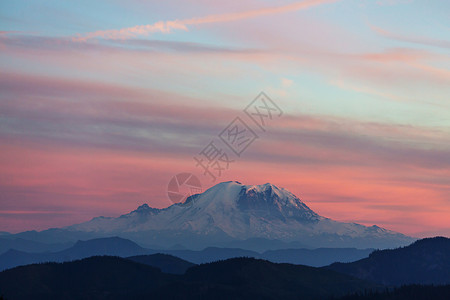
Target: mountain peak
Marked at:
266, 199
262, 201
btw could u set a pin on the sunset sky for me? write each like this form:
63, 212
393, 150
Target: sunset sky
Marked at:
102, 102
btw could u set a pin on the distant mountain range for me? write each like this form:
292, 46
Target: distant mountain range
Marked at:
124, 248
426, 261
229, 214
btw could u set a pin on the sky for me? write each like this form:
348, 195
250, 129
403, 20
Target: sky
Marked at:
103, 102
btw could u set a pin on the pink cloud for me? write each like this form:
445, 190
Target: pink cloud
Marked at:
411, 39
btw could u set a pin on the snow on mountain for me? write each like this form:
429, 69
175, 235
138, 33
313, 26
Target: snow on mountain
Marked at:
231, 210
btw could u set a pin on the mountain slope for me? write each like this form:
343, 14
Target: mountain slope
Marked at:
231, 211
426, 261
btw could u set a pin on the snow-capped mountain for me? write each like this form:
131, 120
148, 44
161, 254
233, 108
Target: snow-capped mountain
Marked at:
231, 211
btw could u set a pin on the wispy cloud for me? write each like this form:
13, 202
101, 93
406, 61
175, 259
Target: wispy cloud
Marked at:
169, 26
